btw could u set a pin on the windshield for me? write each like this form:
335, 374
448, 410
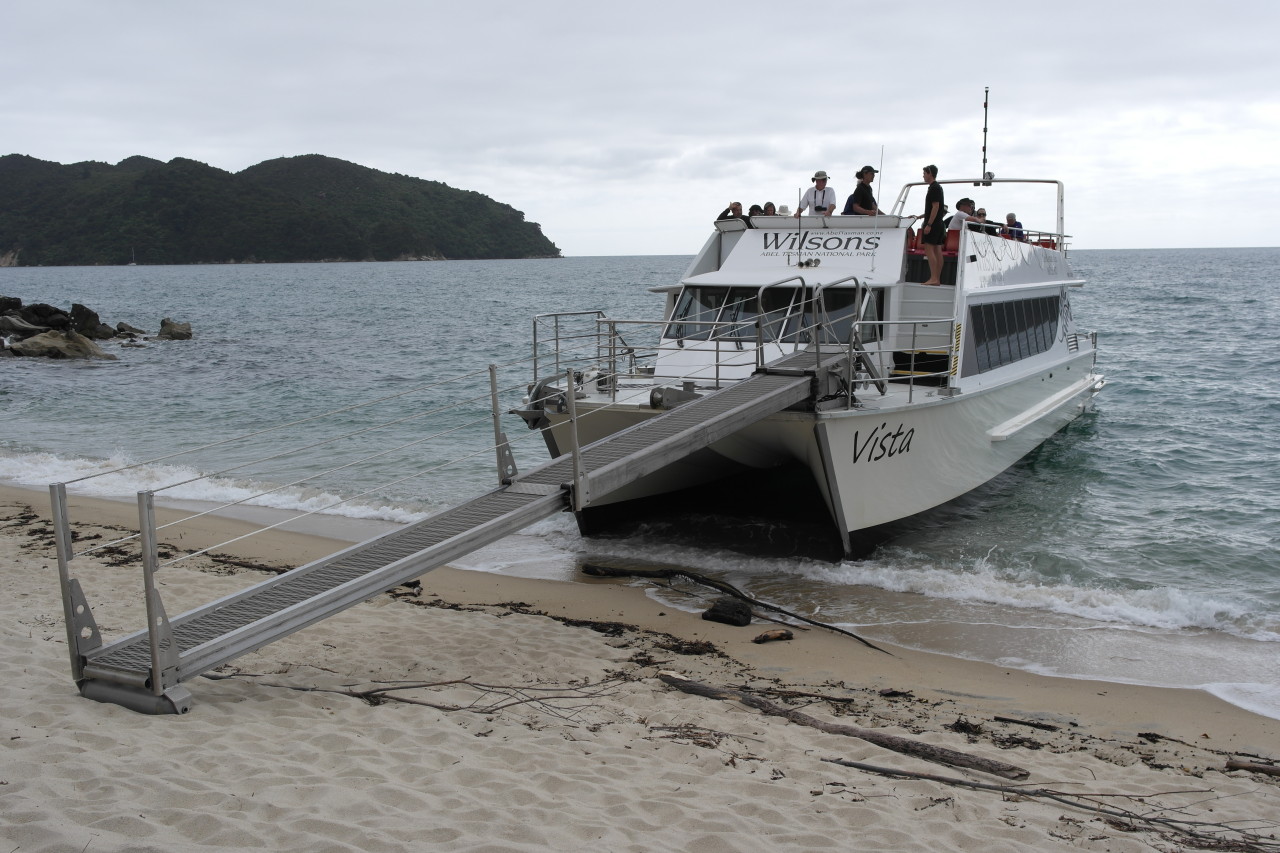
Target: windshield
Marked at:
730, 313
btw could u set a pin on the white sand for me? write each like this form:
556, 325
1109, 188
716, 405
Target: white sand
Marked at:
575, 745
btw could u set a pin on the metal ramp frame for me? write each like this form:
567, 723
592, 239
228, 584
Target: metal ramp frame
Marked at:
145, 670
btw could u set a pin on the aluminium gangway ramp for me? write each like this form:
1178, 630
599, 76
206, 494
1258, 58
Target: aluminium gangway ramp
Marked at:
125, 671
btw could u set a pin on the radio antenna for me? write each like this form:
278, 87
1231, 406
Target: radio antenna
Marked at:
986, 176
876, 211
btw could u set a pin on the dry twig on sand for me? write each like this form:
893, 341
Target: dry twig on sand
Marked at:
1204, 835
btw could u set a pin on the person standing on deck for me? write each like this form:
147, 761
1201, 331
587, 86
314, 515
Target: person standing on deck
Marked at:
933, 228
862, 202
820, 197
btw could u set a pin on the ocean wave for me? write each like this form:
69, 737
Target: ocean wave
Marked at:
981, 582
121, 477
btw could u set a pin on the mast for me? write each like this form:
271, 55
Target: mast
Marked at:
986, 176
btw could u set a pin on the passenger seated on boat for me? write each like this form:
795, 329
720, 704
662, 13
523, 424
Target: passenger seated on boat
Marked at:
862, 202
733, 211
784, 211
1013, 228
964, 212
769, 209
819, 198
989, 227
755, 210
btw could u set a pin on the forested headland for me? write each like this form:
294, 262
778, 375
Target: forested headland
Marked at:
306, 208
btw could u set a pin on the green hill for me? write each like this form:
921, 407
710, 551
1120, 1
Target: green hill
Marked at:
308, 208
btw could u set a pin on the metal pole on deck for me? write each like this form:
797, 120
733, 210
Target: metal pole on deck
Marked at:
579, 481
983, 173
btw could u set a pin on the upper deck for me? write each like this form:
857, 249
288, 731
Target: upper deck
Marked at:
878, 251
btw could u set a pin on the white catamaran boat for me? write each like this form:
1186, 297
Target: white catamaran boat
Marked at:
889, 396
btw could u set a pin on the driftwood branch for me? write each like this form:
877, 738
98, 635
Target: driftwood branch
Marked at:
720, 586
1254, 767
918, 749
1032, 723
1205, 834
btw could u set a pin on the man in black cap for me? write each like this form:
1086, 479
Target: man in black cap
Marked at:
964, 212
862, 202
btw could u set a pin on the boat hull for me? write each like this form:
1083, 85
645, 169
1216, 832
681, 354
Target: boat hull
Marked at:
871, 466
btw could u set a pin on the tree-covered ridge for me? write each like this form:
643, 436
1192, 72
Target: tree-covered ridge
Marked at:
308, 208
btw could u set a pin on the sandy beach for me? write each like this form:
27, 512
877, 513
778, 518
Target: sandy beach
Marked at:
483, 712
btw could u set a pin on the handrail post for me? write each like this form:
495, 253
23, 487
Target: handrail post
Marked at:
506, 460
535, 348
82, 633
556, 346
718, 357
911, 382
613, 361
579, 478
164, 657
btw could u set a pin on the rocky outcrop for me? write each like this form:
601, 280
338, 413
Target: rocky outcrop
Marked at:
40, 330
86, 322
59, 344
171, 330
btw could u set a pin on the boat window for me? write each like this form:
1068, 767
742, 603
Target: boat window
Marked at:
699, 308
841, 310
780, 318
741, 308
730, 313
1005, 332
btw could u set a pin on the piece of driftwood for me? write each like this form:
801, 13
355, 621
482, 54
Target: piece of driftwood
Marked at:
927, 751
1253, 767
727, 588
1032, 723
774, 635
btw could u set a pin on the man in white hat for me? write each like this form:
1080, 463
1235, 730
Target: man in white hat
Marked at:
820, 197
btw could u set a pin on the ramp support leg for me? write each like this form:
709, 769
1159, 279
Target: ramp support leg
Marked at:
580, 496
507, 470
164, 651
82, 631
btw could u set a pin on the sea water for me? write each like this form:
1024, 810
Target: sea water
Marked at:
1137, 545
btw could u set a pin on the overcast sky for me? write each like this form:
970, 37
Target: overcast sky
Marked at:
624, 128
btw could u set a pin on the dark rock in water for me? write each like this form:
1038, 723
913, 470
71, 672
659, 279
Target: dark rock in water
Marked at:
729, 611
171, 330
87, 322
126, 329
9, 303
59, 344
11, 324
40, 314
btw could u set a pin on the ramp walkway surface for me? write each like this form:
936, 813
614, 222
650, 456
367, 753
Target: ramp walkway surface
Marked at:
209, 636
